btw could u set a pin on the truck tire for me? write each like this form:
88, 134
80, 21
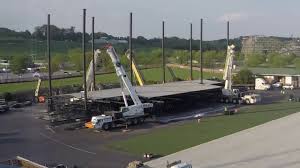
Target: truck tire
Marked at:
226, 100
235, 101
222, 100
106, 126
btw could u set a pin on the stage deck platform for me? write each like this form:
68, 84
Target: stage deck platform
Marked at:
155, 90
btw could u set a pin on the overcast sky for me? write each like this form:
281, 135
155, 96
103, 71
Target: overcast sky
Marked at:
247, 17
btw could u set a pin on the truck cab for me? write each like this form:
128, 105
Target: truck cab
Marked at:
251, 98
101, 122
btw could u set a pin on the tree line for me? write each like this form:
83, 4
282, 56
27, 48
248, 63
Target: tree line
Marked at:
273, 60
69, 34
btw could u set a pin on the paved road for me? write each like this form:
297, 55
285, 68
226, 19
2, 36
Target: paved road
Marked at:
275, 145
24, 135
28, 76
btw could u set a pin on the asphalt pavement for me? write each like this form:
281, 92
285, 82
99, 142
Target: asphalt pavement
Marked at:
22, 134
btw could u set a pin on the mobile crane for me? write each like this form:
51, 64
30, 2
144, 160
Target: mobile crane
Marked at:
128, 115
230, 95
89, 77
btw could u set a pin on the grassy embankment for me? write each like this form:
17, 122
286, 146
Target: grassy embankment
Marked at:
171, 139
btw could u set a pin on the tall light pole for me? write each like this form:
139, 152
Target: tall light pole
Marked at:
201, 50
49, 63
163, 52
84, 60
93, 52
191, 51
130, 46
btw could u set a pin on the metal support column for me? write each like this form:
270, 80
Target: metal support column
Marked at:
84, 60
227, 34
93, 52
130, 46
191, 51
163, 52
201, 51
49, 65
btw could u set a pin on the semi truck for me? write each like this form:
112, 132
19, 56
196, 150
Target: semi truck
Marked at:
129, 114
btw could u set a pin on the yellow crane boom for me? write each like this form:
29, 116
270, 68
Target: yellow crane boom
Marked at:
137, 73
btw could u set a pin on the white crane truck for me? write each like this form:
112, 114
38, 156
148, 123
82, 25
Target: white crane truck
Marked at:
230, 95
129, 114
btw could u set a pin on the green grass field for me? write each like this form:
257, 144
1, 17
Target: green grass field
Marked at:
154, 74
171, 139
28, 47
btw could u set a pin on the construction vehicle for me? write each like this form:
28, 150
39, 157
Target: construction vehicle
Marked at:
137, 73
230, 95
128, 115
90, 76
